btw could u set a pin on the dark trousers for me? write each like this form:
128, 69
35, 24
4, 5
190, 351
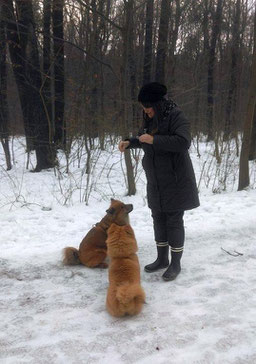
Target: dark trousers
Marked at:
169, 227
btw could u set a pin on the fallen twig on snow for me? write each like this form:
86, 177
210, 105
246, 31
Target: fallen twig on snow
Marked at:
235, 254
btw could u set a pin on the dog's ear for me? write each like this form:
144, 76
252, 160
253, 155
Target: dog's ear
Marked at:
110, 211
112, 199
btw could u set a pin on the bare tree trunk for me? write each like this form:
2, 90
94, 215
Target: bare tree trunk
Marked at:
47, 67
36, 110
231, 101
58, 34
17, 37
26, 67
244, 180
147, 69
128, 88
4, 133
95, 69
200, 72
205, 26
103, 41
174, 38
94, 74
212, 55
252, 154
162, 41
131, 81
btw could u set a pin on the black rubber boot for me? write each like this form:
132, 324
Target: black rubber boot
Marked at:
174, 268
162, 260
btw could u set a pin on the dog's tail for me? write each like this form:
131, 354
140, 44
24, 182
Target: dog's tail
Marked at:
131, 297
71, 256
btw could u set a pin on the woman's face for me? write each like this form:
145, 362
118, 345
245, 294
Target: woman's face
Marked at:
149, 111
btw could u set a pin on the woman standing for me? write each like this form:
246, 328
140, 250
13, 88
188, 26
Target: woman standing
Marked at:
171, 185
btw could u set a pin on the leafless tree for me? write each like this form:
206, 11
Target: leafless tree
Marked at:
244, 157
24, 54
58, 34
234, 74
162, 41
148, 51
217, 19
4, 132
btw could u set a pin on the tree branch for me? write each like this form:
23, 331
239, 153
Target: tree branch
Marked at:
100, 14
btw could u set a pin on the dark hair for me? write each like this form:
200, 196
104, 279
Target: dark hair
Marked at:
158, 108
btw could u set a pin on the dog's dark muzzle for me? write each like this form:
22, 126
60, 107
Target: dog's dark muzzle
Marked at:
129, 208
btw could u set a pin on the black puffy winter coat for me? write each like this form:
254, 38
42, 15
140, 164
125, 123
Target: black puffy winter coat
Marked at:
171, 183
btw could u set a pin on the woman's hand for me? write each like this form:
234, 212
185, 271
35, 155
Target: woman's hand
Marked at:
123, 145
146, 138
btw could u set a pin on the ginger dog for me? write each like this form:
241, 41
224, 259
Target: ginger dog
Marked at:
92, 251
125, 295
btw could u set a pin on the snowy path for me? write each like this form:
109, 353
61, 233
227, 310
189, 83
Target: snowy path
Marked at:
55, 314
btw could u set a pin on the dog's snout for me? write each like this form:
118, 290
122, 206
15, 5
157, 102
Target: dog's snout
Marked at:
129, 207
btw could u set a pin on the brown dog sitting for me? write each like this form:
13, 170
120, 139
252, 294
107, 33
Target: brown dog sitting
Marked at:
125, 295
93, 249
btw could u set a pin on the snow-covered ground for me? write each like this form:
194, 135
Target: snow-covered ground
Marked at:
56, 314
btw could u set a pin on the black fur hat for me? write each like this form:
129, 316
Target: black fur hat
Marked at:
151, 92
